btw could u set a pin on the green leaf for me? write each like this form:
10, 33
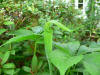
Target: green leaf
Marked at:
83, 49
2, 31
12, 52
60, 25
8, 23
9, 66
23, 32
63, 61
73, 46
40, 40
62, 46
94, 47
1, 55
16, 71
8, 71
27, 69
34, 63
22, 38
40, 64
92, 63
37, 29
5, 57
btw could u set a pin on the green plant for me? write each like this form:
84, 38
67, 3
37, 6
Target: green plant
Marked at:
48, 44
48, 35
90, 54
43, 38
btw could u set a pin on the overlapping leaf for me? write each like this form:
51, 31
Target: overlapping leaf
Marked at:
92, 63
63, 61
22, 38
2, 31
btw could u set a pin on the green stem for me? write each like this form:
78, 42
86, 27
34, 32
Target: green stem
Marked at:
35, 49
48, 46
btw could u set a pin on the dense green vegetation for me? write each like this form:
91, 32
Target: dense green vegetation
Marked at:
48, 38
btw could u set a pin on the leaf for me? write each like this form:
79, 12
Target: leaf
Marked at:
37, 29
92, 63
50, 23
8, 23
23, 32
5, 57
22, 38
9, 66
40, 64
83, 49
73, 46
60, 25
61, 46
1, 56
34, 63
12, 52
2, 31
27, 69
8, 71
16, 71
40, 40
94, 46
63, 61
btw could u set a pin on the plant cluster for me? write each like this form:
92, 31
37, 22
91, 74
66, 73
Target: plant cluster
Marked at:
39, 37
